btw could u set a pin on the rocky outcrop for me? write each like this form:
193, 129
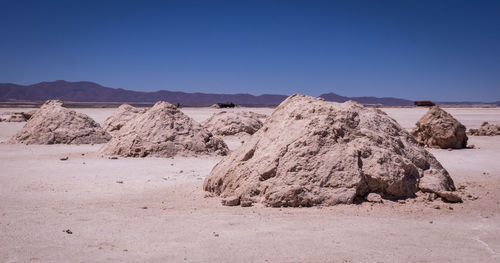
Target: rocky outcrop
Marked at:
311, 152
437, 128
55, 124
122, 115
486, 129
231, 123
163, 131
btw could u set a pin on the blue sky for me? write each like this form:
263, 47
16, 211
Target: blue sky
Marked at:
440, 50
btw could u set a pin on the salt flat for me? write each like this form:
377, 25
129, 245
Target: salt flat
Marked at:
154, 210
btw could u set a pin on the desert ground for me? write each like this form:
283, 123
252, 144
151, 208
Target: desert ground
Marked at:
94, 209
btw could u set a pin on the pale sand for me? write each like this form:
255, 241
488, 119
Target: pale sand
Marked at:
40, 196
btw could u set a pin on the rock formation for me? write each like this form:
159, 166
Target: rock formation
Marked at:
13, 117
55, 124
486, 129
311, 152
437, 128
163, 131
16, 116
255, 115
230, 123
123, 114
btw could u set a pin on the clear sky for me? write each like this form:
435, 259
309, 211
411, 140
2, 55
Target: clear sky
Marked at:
440, 50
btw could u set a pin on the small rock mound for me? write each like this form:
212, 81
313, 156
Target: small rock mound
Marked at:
55, 124
122, 115
437, 128
231, 123
486, 129
12, 117
16, 116
255, 115
163, 131
311, 152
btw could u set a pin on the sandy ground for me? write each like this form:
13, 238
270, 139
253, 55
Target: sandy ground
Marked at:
154, 210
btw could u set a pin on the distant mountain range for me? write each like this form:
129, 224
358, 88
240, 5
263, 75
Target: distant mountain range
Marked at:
386, 101
85, 91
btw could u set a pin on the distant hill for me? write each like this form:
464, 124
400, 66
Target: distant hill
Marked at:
390, 101
386, 101
91, 92
85, 91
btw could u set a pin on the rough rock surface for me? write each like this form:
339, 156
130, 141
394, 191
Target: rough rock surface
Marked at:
231, 123
486, 129
122, 115
16, 116
255, 115
29, 113
55, 124
163, 131
437, 128
312, 152
13, 117
374, 198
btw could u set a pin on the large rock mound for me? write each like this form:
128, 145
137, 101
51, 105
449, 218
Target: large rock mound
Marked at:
120, 116
55, 124
232, 123
163, 131
486, 129
312, 152
437, 128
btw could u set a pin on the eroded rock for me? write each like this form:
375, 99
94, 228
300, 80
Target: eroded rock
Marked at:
16, 116
448, 196
231, 123
437, 128
55, 124
486, 129
163, 131
311, 152
374, 198
120, 116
